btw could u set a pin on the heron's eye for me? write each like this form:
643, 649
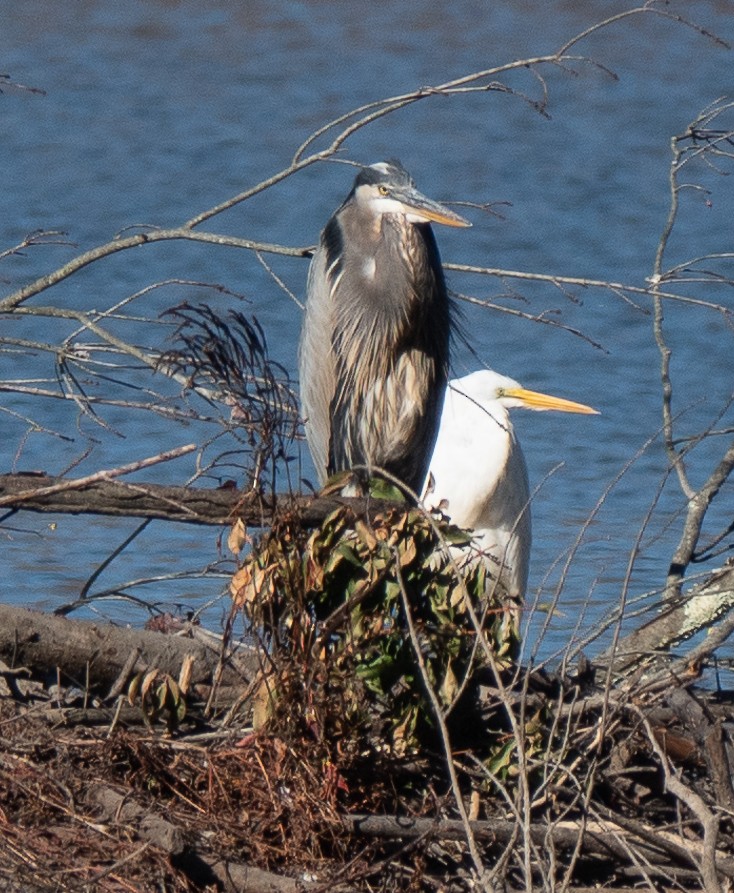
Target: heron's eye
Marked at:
383, 190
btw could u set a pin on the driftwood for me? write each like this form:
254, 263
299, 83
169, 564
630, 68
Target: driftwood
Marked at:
595, 839
194, 859
188, 855
148, 826
687, 615
191, 505
98, 653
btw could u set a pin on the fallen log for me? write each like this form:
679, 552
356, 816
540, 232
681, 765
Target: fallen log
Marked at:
190, 505
188, 855
120, 808
97, 653
602, 841
698, 609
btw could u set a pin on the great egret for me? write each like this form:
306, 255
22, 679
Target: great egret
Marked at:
478, 475
374, 348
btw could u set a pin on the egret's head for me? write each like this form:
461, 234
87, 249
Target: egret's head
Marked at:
487, 386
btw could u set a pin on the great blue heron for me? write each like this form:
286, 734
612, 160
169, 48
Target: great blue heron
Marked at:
478, 475
374, 349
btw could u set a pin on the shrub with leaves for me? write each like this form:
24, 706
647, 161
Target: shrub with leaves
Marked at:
332, 609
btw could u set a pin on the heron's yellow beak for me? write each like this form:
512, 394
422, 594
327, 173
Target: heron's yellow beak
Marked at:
416, 205
536, 400
448, 218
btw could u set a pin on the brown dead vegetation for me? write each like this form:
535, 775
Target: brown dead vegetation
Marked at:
626, 781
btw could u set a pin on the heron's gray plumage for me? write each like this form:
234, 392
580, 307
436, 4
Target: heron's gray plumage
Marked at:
374, 350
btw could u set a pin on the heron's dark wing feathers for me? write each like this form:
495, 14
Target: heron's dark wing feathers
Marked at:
317, 365
390, 342
375, 340
332, 247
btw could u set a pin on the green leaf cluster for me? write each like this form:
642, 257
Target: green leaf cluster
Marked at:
333, 608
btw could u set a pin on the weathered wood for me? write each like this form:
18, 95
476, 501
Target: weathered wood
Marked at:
611, 839
709, 736
96, 653
234, 877
498, 834
191, 505
698, 609
121, 809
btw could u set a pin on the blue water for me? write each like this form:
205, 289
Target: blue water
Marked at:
154, 112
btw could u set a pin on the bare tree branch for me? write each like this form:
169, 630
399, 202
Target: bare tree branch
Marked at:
97, 495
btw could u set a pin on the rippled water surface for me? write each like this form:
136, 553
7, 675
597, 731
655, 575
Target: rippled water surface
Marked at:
156, 111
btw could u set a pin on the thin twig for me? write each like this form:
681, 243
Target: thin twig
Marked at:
441, 723
696, 804
105, 475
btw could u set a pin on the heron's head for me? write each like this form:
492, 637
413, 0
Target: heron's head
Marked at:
486, 387
387, 188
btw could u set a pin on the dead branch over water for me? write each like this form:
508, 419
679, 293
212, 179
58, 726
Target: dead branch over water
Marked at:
191, 505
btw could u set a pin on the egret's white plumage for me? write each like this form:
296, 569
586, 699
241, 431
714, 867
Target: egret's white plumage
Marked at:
478, 476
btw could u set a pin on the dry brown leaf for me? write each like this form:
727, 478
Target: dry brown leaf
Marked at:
237, 537
262, 704
366, 534
184, 676
239, 584
148, 681
449, 686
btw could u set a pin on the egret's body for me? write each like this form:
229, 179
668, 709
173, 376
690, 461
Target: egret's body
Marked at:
374, 349
478, 476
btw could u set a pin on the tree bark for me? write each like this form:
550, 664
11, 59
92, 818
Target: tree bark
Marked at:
192, 505
95, 654
697, 609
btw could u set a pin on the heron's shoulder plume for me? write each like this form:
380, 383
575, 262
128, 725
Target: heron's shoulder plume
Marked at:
332, 241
